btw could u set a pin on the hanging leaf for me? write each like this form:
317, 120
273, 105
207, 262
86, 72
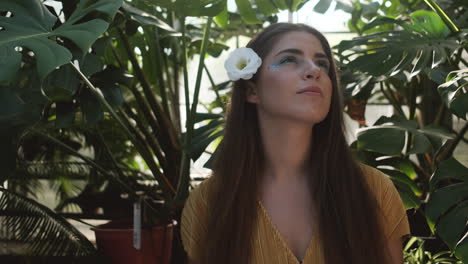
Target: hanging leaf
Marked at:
247, 12
91, 107
61, 84
109, 81
222, 18
322, 6
266, 7
146, 19
65, 112
281, 4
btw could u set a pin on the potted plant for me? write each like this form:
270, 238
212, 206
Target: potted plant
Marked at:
113, 62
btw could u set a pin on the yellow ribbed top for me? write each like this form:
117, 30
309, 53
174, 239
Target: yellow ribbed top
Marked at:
269, 245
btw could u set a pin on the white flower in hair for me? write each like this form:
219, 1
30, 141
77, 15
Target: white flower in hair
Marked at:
242, 63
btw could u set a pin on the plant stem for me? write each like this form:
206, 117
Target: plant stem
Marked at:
447, 152
432, 4
168, 137
439, 114
184, 178
412, 99
218, 98
111, 156
169, 142
166, 186
114, 52
160, 62
184, 63
101, 98
391, 99
147, 136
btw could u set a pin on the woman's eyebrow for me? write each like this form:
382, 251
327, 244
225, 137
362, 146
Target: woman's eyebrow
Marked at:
300, 52
294, 51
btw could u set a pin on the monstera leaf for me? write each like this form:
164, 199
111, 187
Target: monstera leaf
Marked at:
254, 12
419, 45
190, 7
401, 170
453, 94
447, 208
388, 136
29, 24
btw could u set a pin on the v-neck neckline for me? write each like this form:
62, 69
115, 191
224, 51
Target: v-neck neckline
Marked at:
280, 237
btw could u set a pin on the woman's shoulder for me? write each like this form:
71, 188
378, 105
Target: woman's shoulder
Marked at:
200, 192
194, 218
197, 201
389, 200
374, 177
380, 184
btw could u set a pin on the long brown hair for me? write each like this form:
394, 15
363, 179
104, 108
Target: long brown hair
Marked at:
348, 216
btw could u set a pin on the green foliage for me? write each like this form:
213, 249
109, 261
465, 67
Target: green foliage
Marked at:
44, 233
415, 253
453, 94
192, 8
129, 59
390, 139
19, 32
418, 45
123, 101
447, 208
402, 57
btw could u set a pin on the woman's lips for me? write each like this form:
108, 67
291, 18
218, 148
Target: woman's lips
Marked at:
310, 90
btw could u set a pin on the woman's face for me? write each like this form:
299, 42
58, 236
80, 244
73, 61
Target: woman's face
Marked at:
293, 81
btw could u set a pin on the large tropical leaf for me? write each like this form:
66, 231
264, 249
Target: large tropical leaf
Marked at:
255, 11
147, 19
400, 170
453, 92
44, 232
205, 134
192, 8
419, 45
388, 136
447, 208
247, 12
31, 26
267, 7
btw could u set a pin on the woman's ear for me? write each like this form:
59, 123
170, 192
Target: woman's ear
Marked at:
252, 94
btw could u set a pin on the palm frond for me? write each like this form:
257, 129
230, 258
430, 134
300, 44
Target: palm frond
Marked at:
27, 176
39, 228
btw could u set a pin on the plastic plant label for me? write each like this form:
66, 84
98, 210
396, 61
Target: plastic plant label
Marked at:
137, 225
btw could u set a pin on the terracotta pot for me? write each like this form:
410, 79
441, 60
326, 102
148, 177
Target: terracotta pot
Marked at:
115, 240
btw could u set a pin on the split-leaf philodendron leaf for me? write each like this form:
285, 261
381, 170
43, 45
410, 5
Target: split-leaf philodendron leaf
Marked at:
29, 24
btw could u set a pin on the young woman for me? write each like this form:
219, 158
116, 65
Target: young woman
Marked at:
285, 188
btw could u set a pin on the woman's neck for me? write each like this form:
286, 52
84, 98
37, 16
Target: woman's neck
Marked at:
287, 148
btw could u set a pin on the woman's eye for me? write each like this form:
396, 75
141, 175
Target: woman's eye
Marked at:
323, 64
288, 59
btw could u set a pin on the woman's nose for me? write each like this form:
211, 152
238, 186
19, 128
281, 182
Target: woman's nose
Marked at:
311, 70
